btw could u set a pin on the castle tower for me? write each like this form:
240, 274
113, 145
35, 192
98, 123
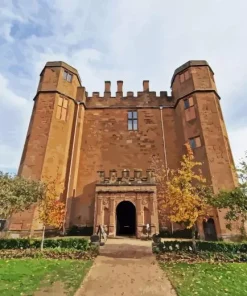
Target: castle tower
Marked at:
200, 121
55, 130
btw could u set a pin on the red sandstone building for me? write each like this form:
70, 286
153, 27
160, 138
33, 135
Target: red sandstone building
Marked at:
99, 148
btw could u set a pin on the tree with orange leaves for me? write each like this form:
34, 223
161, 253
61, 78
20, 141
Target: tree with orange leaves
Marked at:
51, 209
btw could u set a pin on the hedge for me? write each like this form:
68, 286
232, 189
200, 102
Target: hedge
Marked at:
181, 233
80, 230
23, 243
173, 246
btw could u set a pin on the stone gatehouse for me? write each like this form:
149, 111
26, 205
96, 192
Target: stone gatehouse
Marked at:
72, 135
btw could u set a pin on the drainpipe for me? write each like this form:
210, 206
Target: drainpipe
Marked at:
164, 147
70, 167
163, 137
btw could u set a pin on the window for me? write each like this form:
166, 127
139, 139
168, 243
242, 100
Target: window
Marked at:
189, 107
184, 76
132, 120
189, 102
62, 108
67, 76
195, 142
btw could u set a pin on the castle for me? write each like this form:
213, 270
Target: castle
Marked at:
99, 147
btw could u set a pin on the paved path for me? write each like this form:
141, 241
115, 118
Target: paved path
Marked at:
126, 267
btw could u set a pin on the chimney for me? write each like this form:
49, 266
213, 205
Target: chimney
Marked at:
107, 86
119, 86
145, 85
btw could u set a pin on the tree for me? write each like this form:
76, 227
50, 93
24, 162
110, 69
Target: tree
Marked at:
161, 177
18, 194
185, 192
235, 200
51, 209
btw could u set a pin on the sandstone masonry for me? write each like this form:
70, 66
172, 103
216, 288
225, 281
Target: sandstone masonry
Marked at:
98, 147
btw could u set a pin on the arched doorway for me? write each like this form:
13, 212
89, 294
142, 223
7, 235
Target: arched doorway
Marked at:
209, 230
126, 218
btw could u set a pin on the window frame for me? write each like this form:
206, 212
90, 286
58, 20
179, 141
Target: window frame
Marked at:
67, 76
62, 107
188, 103
132, 120
185, 75
195, 142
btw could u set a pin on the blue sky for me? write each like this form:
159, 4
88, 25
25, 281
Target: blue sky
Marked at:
119, 40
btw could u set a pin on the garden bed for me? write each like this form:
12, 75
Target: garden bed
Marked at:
50, 253
186, 246
210, 257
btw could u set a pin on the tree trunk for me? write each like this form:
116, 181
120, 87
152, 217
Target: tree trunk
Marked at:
194, 238
43, 239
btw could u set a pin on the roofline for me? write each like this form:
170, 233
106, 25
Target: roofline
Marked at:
191, 63
60, 64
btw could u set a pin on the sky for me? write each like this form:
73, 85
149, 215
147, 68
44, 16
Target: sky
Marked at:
129, 40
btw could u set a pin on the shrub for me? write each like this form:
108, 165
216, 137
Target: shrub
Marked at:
186, 246
181, 233
80, 230
22, 243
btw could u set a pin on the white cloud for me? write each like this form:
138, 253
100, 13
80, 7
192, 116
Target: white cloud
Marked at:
14, 118
238, 142
121, 40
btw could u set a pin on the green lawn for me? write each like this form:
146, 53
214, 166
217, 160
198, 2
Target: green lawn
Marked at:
204, 279
24, 276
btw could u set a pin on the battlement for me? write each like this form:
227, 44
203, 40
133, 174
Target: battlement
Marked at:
119, 92
200, 78
142, 99
126, 178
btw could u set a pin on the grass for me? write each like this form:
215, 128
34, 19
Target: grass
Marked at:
24, 276
203, 279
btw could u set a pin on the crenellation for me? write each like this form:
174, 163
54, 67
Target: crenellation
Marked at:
119, 86
107, 86
163, 94
146, 85
95, 94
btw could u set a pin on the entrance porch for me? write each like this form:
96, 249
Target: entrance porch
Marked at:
126, 207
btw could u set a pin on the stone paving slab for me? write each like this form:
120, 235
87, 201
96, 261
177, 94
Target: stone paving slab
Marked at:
126, 268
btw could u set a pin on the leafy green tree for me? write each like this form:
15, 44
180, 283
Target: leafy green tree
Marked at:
18, 194
235, 200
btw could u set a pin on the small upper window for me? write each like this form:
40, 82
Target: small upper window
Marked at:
189, 102
67, 76
132, 120
195, 142
184, 76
